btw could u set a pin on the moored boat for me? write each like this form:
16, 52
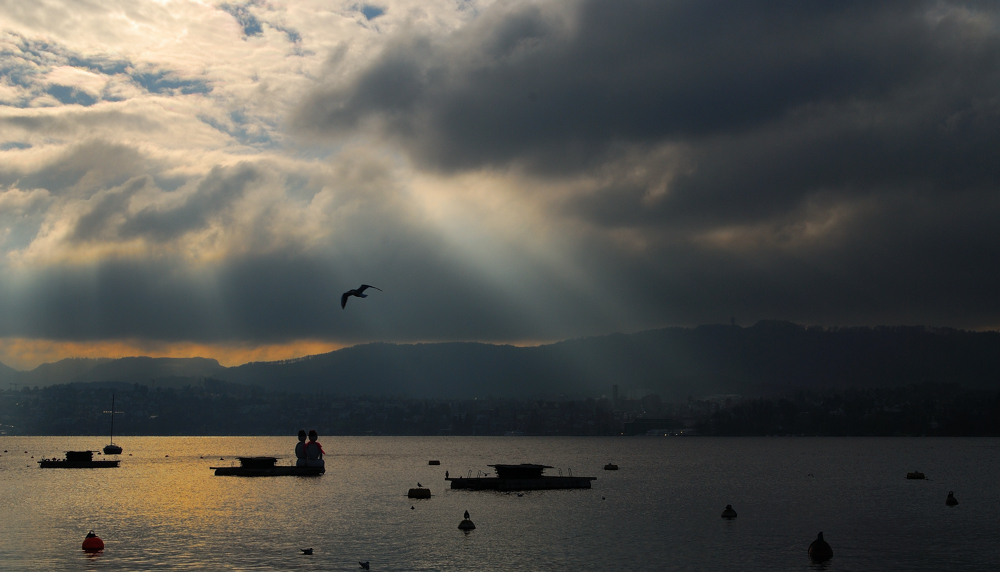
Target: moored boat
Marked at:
266, 467
111, 448
77, 460
522, 477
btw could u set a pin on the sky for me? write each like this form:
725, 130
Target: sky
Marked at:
203, 178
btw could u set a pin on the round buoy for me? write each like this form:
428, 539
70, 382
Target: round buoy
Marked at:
93, 543
819, 550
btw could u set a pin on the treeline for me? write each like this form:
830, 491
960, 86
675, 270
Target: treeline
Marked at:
214, 407
932, 409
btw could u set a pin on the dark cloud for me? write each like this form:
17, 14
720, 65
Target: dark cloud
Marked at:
683, 161
98, 223
279, 296
772, 101
215, 194
84, 168
526, 84
818, 162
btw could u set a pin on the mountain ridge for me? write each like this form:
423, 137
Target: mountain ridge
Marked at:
769, 357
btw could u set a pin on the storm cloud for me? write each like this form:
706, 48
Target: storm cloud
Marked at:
857, 139
505, 171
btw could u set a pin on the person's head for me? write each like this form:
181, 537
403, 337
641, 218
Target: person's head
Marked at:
302, 434
313, 435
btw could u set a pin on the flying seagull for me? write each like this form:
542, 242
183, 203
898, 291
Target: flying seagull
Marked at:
359, 292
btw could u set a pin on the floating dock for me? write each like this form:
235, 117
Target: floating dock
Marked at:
77, 460
266, 467
523, 477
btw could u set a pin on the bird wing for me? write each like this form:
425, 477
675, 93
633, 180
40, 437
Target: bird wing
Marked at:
366, 286
343, 300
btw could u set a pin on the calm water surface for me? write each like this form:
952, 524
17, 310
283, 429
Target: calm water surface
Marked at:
164, 508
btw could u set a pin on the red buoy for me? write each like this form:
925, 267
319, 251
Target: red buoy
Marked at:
93, 543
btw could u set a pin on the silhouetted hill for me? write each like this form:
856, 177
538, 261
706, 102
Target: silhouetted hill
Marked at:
769, 358
140, 370
8, 375
62, 371
143, 369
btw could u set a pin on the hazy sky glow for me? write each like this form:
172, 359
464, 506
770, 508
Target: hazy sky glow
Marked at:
205, 178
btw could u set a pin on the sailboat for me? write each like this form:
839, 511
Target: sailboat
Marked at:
111, 448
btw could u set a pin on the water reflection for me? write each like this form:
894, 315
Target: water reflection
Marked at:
662, 513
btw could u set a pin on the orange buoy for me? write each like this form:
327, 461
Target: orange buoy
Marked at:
93, 543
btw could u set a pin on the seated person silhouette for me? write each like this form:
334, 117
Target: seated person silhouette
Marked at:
314, 451
300, 449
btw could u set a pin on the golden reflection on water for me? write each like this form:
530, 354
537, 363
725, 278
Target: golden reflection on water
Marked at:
164, 508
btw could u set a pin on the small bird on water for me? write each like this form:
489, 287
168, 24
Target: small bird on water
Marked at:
364, 564
466, 525
359, 292
951, 500
306, 550
729, 513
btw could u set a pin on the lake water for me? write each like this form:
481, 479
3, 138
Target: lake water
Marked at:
165, 509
